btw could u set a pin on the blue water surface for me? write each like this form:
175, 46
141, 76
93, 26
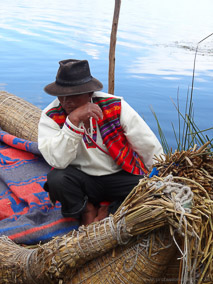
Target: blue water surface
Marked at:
155, 51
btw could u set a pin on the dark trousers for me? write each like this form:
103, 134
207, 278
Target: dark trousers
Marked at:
73, 188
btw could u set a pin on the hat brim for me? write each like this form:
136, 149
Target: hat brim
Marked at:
55, 89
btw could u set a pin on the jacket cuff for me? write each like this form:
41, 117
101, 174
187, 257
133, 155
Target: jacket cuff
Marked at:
68, 126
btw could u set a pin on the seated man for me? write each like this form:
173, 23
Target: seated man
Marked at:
97, 144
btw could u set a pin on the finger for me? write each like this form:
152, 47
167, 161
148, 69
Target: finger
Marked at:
95, 111
98, 111
97, 115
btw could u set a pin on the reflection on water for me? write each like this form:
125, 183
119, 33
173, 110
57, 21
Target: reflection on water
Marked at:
154, 54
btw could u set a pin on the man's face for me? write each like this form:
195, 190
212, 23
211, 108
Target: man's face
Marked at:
70, 103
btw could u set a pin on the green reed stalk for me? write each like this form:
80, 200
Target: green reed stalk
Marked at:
191, 134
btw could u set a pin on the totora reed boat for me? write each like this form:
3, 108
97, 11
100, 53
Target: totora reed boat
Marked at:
161, 233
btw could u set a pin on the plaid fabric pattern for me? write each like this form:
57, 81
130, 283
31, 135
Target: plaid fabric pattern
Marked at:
114, 138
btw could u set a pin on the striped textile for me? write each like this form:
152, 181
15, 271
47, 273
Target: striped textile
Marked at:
111, 132
73, 129
26, 215
57, 114
114, 138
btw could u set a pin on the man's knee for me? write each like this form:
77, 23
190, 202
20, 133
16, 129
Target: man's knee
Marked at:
55, 179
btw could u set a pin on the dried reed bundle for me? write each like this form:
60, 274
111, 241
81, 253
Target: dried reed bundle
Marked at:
19, 117
143, 260
58, 260
181, 196
195, 167
147, 208
196, 164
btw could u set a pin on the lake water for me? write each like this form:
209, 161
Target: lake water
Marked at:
155, 50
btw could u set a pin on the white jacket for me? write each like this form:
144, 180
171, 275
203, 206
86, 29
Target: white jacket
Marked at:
63, 147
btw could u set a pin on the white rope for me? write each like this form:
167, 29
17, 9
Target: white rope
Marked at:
10, 97
27, 266
79, 245
112, 227
182, 198
139, 248
119, 232
123, 236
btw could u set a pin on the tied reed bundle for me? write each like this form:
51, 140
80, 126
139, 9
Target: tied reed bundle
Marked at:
196, 164
195, 167
19, 117
151, 205
180, 197
142, 260
57, 261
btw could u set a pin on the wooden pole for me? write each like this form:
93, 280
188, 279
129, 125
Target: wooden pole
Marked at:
111, 78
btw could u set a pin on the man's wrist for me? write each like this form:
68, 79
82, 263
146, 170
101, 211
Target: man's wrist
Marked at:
74, 120
69, 128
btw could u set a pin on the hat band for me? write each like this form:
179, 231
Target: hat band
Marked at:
73, 83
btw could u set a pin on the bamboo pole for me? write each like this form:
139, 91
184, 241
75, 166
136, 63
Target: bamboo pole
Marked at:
111, 76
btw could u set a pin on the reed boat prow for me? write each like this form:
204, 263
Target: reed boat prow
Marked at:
164, 218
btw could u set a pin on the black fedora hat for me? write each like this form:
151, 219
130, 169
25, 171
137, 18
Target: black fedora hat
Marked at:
73, 78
